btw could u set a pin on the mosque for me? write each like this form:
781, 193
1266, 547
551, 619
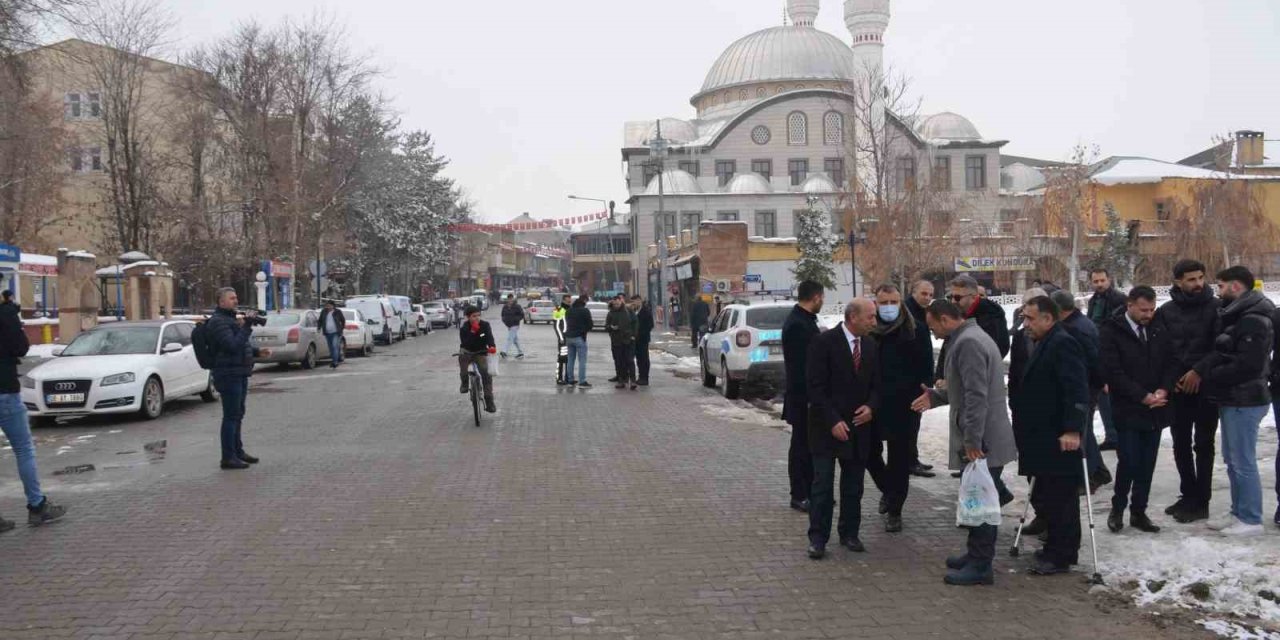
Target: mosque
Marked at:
776, 124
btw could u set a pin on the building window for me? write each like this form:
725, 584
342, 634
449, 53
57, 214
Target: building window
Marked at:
725, 170
762, 92
905, 176
742, 95
797, 129
691, 167
799, 170
95, 158
762, 167
95, 105
835, 170
1162, 211
833, 128
74, 108
727, 216
767, 224
975, 172
664, 225
761, 135
690, 220
1008, 219
942, 173
77, 161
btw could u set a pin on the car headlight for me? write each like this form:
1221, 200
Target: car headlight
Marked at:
119, 378
27, 382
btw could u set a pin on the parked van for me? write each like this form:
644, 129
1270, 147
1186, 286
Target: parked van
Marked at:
404, 308
381, 316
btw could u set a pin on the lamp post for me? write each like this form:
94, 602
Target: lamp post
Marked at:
658, 151
613, 257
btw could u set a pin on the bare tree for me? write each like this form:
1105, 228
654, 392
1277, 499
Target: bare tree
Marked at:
32, 143
1224, 224
1069, 202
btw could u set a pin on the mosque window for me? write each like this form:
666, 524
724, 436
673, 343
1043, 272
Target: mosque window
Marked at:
762, 92
799, 87
799, 171
725, 170
975, 172
835, 170
833, 128
761, 135
742, 94
797, 129
691, 166
942, 173
762, 167
767, 223
780, 89
727, 216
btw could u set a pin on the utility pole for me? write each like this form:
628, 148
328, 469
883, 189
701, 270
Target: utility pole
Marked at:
658, 149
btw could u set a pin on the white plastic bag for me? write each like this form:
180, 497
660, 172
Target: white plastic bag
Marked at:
979, 503
493, 365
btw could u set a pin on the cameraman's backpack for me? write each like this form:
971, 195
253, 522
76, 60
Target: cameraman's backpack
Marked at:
200, 344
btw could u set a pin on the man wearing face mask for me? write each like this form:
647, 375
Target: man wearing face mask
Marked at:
906, 365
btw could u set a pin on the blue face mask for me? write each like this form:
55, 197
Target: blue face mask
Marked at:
889, 313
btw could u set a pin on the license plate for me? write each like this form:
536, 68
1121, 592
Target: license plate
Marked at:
775, 349
263, 339
63, 398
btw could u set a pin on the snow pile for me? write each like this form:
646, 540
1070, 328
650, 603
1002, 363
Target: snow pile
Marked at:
741, 412
688, 364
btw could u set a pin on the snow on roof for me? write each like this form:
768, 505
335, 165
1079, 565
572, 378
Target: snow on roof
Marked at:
1127, 170
771, 240
39, 259
82, 254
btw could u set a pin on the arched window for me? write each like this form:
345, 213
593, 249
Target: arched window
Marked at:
742, 94
762, 92
797, 129
833, 128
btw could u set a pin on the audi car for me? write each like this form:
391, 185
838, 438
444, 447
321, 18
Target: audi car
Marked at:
121, 367
744, 346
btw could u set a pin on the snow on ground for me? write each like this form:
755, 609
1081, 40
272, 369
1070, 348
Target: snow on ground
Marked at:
686, 365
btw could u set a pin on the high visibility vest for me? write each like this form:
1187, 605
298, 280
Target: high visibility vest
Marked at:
558, 314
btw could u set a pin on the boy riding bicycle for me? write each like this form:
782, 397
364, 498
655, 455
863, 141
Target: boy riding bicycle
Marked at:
476, 343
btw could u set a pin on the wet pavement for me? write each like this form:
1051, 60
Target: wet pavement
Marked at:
379, 511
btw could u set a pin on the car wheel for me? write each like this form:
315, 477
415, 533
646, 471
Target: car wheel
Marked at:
729, 387
152, 399
210, 393
309, 360
708, 380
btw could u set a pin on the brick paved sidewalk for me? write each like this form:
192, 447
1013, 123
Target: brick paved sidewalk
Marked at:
379, 512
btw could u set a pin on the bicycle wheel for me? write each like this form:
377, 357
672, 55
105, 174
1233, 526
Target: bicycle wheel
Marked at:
475, 397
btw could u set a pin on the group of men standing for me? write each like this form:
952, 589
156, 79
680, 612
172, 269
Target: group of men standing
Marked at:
856, 391
630, 327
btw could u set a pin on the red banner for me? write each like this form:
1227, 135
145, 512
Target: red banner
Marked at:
528, 226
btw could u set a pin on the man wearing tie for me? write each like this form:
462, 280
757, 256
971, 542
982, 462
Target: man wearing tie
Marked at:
843, 379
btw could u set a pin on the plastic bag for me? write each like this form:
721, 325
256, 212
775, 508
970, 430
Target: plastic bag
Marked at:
979, 503
493, 365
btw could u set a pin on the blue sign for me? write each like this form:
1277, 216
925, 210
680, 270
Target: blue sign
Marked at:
708, 287
10, 253
751, 278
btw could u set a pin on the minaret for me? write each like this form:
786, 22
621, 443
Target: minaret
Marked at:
867, 21
803, 12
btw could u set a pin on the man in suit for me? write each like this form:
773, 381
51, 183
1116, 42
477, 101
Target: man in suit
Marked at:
916, 303
1051, 412
1136, 366
843, 374
978, 420
798, 332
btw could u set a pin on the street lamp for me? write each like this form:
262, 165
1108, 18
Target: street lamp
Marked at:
608, 232
658, 149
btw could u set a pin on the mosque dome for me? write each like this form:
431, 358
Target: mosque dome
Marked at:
674, 182
787, 53
948, 126
748, 183
818, 183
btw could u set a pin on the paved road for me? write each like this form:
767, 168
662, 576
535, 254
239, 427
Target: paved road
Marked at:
378, 511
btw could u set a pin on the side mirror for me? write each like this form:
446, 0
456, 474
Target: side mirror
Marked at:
57, 351
171, 347
374, 321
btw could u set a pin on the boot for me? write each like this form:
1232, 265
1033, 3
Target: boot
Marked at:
465, 387
956, 563
1115, 521
893, 524
489, 406
1142, 523
974, 573
1036, 527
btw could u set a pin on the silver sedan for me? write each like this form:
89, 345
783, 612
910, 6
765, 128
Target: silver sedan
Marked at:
292, 336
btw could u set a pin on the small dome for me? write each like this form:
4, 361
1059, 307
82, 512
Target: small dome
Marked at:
674, 130
948, 126
781, 54
674, 182
818, 183
747, 183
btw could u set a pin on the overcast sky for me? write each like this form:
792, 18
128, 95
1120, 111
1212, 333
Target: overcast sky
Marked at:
528, 99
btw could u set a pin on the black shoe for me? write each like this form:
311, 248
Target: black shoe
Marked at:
817, 551
1039, 556
643, 383
853, 544
956, 563
561, 383
971, 575
489, 406
1192, 514
1107, 446
613, 379
1042, 567
957, 474
893, 524
7, 525
1174, 508
503, 354
247, 458
1006, 496
465, 388
333, 365
584, 385
634, 386
234, 464
1115, 521
1036, 527
884, 505
919, 471
800, 505
1139, 520
519, 356
45, 513
1276, 518
926, 467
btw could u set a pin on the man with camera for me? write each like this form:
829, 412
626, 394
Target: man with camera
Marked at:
230, 336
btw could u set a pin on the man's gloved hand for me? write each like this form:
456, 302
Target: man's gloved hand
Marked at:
493, 350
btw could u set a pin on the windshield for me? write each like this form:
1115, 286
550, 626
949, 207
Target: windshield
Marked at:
767, 317
433, 305
114, 341
282, 319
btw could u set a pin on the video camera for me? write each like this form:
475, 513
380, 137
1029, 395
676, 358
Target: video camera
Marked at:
253, 317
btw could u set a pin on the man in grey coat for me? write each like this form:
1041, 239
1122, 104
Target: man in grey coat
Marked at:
980, 426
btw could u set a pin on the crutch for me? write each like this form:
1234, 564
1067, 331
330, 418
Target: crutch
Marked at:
1088, 499
1017, 537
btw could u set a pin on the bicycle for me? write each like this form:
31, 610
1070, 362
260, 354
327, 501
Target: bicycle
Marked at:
476, 384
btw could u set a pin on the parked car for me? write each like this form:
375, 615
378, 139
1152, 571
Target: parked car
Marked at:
506, 293
404, 309
539, 311
420, 319
357, 334
439, 313
599, 311
533, 294
379, 315
121, 367
293, 335
480, 298
744, 345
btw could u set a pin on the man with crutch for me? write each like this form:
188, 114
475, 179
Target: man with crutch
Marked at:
1053, 409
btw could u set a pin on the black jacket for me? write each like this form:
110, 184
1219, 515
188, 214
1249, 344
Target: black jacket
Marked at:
905, 364
644, 325
338, 319
233, 352
577, 322
13, 345
699, 314
1275, 355
922, 332
1132, 369
621, 326
478, 341
1187, 322
1086, 333
1053, 400
1020, 348
798, 332
512, 314
1237, 372
991, 319
1102, 306
836, 391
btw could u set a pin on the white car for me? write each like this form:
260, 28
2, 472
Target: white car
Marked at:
480, 298
121, 367
422, 326
380, 315
357, 333
439, 313
599, 311
404, 309
744, 345
539, 311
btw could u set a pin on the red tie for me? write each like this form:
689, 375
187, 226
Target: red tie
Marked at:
857, 355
